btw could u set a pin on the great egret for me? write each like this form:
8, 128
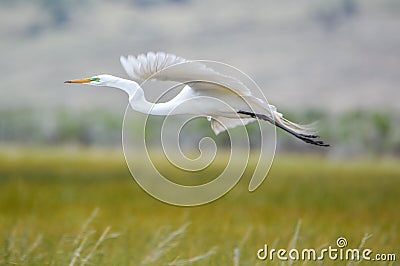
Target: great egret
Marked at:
202, 83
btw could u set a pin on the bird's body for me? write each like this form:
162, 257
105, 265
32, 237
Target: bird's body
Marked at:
224, 100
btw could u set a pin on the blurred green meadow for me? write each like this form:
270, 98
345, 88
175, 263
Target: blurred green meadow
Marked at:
75, 206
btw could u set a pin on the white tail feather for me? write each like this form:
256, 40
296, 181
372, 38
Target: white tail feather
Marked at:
308, 129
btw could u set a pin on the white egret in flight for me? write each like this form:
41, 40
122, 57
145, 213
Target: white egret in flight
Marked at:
202, 83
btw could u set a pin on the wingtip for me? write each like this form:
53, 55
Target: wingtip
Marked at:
122, 59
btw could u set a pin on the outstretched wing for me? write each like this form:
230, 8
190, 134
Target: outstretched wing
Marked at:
164, 66
169, 67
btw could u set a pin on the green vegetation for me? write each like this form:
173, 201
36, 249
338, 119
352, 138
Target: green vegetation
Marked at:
350, 133
47, 196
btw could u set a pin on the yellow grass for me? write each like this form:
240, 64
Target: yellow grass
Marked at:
47, 197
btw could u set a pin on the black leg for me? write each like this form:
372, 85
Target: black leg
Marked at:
304, 137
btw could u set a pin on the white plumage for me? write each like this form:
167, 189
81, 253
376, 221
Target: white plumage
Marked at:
223, 99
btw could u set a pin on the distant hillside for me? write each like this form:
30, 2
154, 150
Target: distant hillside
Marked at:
331, 55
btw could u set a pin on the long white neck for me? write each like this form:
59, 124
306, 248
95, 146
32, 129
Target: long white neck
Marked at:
137, 99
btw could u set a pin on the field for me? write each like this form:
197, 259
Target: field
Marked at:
81, 207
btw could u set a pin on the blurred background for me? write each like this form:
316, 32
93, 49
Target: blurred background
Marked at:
332, 61
61, 161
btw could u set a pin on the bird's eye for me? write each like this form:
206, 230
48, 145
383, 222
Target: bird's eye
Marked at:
95, 79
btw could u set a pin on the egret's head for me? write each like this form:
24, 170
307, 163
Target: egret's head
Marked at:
99, 80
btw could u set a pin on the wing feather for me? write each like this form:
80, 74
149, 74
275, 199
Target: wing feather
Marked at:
143, 64
160, 60
152, 60
131, 66
197, 73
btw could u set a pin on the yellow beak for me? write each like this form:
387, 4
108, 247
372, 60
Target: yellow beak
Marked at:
78, 81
